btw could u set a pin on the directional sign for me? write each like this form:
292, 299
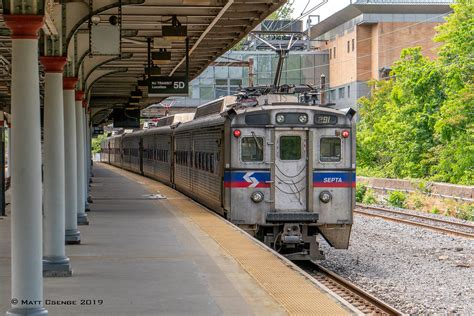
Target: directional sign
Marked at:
98, 130
166, 86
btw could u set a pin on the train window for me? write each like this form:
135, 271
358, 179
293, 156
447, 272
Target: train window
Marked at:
211, 163
290, 147
251, 149
330, 149
258, 119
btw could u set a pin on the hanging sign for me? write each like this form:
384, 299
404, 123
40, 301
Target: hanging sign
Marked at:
105, 40
98, 130
167, 86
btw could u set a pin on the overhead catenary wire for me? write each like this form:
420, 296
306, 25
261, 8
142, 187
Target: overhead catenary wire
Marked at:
303, 15
369, 38
345, 61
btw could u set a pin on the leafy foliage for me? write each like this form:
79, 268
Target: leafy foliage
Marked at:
369, 197
284, 12
397, 199
96, 143
419, 124
360, 192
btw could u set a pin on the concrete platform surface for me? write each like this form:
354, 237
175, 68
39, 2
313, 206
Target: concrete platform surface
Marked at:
146, 256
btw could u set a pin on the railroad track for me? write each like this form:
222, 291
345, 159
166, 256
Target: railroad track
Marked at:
360, 299
436, 224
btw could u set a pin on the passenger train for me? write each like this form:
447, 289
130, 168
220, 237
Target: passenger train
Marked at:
282, 170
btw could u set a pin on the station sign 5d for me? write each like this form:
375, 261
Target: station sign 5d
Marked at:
166, 86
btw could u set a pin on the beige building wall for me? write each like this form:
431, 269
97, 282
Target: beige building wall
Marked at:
342, 64
364, 52
393, 37
376, 45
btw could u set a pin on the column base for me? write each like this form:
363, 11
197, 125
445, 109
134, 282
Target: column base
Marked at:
73, 237
82, 219
35, 311
56, 267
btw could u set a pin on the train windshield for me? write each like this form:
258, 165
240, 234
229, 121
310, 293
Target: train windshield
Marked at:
252, 149
290, 148
330, 149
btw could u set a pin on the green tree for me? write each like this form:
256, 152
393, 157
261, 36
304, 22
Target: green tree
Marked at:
96, 143
420, 123
454, 128
284, 12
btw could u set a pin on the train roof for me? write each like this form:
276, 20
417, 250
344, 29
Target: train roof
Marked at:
214, 112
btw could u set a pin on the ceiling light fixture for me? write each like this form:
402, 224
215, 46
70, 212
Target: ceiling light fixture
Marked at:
175, 31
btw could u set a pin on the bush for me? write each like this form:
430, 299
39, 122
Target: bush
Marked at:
397, 199
465, 212
369, 197
361, 189
416, 200
435, 210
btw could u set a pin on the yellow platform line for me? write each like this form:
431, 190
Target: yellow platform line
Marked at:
291, 289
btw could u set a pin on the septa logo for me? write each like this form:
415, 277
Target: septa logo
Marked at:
332, 180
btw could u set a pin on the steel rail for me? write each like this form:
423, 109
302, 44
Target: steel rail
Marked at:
359, 298
414, 223
378, 208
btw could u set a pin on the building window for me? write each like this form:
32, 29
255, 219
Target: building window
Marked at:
334, 53
206, 93
341, 93
353, 44
348, 46
330, 54
348, 91
332, 95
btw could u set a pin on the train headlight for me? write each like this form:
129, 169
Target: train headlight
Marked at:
325, 196
280, 118
303, 118
257, 197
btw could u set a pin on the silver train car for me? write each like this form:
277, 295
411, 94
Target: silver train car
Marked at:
283, 171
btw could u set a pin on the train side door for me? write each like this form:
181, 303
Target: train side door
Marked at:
290, 171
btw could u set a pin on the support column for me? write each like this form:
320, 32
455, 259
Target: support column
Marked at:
55, 262
26, 195
73, 236
9, 136
86, 157
81, 200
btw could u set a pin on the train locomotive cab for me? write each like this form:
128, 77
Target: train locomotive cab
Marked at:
291, 175
281, 170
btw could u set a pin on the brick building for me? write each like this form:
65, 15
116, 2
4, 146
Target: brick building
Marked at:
365, 38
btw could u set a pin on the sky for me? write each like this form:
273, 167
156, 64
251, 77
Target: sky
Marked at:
326, 10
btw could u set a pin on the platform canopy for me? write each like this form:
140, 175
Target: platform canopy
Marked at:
212, 28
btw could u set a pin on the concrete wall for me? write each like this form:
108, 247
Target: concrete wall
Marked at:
446, 189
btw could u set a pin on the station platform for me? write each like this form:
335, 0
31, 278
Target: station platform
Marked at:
150, 250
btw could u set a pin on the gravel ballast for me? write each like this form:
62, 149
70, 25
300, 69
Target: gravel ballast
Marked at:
414, 269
